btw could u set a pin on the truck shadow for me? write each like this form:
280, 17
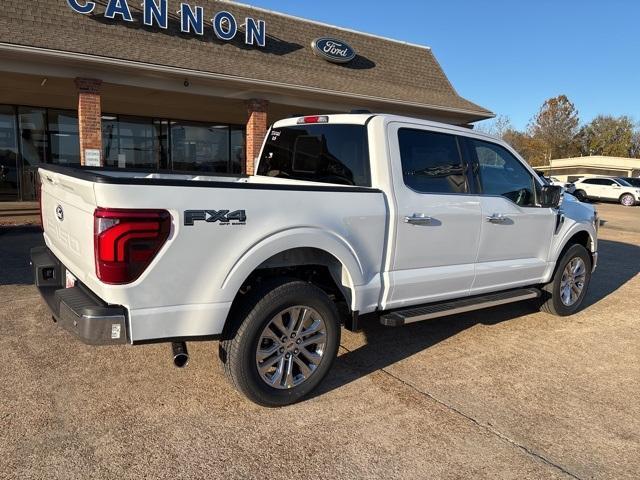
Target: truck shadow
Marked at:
619, 262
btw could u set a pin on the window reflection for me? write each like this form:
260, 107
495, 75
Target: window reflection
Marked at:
63, 132
31, 136
33, 147
8, 154
431, 162
200, 147
134, 142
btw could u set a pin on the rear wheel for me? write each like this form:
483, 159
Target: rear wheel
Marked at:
565, 293
627, 200
580, 195
283, 344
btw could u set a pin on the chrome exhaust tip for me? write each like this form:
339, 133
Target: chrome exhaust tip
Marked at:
180, 354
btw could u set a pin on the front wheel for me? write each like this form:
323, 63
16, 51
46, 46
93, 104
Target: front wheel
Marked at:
565, 293
284, 342
627, 200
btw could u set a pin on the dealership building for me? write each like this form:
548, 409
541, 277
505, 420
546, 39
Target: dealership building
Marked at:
188, 86
571, 169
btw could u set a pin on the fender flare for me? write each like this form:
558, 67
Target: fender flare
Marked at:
560, 246
297, 237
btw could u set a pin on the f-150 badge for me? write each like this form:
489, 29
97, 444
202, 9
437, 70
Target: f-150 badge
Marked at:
224, 217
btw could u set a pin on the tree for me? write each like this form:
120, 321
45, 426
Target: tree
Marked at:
634, 149
531, 148
556, 126
496, 127
607, 135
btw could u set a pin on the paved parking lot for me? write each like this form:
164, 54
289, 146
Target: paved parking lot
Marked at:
502, 393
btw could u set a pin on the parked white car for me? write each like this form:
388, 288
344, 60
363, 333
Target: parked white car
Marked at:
607, 188
350, 218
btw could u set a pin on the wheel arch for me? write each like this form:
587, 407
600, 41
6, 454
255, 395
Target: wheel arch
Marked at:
298, 248
576, 237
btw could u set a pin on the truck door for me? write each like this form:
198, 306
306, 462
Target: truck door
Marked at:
516, 233
436, 222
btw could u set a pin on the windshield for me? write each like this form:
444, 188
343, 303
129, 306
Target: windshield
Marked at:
318, 153
633, 181
623, 182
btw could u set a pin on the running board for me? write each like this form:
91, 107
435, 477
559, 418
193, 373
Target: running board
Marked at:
451, 307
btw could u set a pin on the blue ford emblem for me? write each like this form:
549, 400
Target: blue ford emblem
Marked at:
333, 50
59, 212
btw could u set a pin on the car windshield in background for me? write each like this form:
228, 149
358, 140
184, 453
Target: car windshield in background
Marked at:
318, 153
623, 182
635, 182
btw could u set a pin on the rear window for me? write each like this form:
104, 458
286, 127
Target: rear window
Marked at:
319, 153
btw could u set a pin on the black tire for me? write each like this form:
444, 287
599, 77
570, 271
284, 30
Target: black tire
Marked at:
238, 349
551, 298
581, 195
627, 200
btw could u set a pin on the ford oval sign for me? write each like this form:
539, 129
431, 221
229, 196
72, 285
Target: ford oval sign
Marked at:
333, 50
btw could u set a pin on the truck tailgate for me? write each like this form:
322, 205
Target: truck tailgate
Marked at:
68, 204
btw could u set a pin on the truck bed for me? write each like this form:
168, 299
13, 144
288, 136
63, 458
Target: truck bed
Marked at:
116, 176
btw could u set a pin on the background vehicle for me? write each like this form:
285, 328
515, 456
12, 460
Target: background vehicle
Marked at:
633, 181
350, 218
607, 188
568, 186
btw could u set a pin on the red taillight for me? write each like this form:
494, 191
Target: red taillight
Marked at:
126, 241
314, 119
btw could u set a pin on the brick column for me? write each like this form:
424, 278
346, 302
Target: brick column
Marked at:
256, 130
89, 116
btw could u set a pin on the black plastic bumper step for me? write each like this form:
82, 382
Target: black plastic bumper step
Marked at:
398, 318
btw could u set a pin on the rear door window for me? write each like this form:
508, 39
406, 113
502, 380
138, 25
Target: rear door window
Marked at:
319, 153
431, 162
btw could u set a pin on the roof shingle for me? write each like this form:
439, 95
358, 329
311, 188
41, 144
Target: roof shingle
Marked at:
383, 69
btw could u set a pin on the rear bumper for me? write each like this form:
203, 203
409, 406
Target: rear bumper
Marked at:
77, 309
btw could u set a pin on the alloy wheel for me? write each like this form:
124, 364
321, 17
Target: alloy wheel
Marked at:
291, 347
573, 281
627, 200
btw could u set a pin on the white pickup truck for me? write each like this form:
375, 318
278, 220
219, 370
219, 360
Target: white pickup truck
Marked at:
350, 218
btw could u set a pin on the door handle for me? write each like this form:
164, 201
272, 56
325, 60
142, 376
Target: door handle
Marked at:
497, 218
418, 219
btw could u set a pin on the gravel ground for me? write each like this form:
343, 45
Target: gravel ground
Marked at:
503, 393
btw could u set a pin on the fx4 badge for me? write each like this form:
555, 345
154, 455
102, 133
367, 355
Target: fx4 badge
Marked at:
225, 217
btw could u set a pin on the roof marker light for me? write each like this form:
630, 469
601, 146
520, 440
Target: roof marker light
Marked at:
313, 119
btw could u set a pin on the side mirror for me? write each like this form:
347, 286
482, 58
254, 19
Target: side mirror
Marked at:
550, 196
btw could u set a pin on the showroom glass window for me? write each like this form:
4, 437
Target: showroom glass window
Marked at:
64, 137
130, 142
34, 147
200, 147
431, 161
501, 173
238, 139
8, 153
162, 144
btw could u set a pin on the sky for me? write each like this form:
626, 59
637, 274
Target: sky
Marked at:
509, 56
